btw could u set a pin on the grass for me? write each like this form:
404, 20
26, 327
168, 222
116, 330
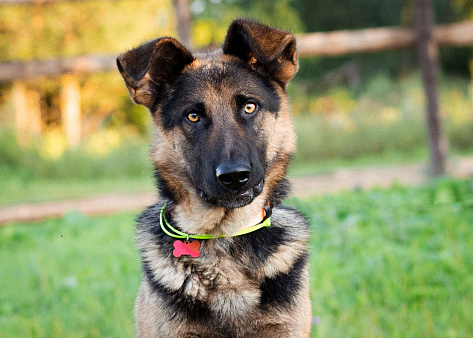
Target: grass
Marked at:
386, 118
15, 189
393, 263
384, 263
71, 277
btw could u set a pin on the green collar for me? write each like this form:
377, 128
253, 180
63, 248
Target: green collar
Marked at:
173, 232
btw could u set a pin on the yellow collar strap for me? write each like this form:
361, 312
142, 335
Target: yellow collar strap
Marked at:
173, 232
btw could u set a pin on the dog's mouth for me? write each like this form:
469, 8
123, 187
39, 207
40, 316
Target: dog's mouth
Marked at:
236, 199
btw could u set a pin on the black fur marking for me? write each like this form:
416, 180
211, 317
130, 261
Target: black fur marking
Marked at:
297, 213
280, 192
258, 245
280, 290
164, 191
149, 221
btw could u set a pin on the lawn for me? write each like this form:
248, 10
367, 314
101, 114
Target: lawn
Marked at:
70, 277
393, 263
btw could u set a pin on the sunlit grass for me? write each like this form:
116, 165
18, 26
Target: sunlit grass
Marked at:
392, 263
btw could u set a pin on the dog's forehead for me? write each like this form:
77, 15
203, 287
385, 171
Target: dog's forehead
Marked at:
218, 71
221, 76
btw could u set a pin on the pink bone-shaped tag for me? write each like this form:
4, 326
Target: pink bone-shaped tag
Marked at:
186, 248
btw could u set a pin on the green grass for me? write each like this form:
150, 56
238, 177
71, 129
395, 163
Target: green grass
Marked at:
384, 263
71, 277
15, 189
301, 167
393, 263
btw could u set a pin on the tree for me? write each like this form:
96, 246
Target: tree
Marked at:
427, 50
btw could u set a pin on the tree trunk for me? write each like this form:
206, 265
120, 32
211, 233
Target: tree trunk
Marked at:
427, 50
406, 54
70, 109
184, 21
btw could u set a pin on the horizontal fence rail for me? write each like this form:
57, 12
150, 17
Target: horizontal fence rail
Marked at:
311, 44
21, 70
379, 39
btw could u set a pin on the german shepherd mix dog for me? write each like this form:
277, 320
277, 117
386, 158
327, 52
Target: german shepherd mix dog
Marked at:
220, 256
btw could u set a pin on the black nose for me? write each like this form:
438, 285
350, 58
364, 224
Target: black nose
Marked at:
233, 175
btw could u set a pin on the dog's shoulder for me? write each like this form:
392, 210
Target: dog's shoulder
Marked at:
150, 237
292, 220
285, 268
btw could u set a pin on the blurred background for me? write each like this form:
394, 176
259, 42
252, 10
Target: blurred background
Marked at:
400, 256
65, 113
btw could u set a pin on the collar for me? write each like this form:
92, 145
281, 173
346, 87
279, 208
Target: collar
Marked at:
262, 219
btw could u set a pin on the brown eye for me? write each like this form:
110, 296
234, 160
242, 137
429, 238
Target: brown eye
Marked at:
193, 117
250, 108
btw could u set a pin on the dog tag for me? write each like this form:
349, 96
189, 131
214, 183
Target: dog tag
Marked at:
186, 248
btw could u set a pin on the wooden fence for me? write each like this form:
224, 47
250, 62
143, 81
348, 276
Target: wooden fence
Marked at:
311, 44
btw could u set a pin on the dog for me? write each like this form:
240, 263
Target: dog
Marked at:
221, 257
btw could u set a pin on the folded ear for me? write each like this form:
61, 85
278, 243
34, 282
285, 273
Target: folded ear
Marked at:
269, 51
151, 69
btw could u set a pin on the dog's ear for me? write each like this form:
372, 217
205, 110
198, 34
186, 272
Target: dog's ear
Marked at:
269, 51
152, 68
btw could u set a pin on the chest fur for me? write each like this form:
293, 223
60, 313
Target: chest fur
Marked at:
224, 284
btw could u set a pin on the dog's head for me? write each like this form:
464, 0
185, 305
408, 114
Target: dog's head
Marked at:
222, 127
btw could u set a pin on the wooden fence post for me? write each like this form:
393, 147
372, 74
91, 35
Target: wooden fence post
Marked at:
183, 14
427, 49
21, 109
27, 111
70, 109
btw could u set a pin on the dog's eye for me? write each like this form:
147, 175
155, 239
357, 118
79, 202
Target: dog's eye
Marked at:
250, 108
193, 117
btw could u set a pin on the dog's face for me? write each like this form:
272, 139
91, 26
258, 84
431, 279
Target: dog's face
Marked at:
216, 115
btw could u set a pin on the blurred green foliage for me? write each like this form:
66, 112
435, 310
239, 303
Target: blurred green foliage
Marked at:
81, 27
102, 155
386, 116
322, 16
